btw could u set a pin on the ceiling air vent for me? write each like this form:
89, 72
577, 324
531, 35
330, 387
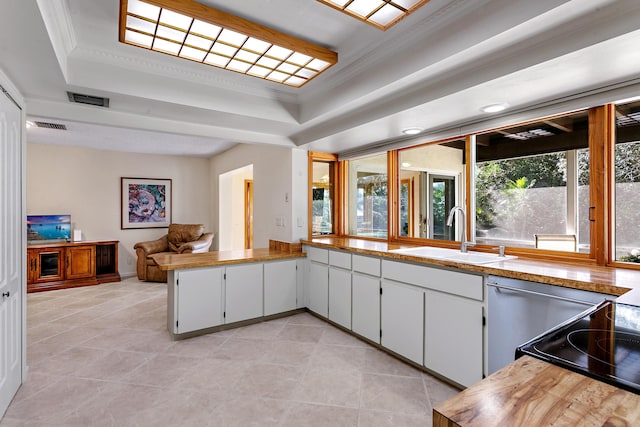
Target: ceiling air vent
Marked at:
98, 101
47, 125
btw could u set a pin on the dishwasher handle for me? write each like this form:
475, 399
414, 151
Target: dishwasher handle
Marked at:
526, 291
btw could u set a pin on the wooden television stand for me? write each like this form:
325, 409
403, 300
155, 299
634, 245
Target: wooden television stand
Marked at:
66, 265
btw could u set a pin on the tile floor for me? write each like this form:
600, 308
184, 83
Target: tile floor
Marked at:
101, 356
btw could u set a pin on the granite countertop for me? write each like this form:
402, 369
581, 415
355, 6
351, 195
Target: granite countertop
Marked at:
209, 259
606, 280
530, 392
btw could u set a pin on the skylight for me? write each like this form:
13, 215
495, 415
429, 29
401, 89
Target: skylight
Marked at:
381, 14
199, 33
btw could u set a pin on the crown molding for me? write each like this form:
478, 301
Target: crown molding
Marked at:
57, 20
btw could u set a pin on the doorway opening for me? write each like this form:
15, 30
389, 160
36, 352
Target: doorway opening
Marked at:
235, 215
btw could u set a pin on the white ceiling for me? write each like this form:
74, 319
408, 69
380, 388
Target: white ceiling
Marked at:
434, 69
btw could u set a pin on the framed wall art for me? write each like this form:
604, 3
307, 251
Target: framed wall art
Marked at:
145, 203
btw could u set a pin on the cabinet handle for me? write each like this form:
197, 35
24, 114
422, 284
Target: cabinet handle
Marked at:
6, 294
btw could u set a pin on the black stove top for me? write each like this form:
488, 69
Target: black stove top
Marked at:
602, 342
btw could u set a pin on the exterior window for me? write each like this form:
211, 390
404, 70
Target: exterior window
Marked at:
368, 214
431, 179
627, 183
532, 185
323, 195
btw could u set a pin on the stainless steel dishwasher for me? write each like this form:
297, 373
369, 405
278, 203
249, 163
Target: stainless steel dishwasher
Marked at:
519, 310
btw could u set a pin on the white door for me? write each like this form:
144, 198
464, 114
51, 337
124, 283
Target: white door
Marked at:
199, 299
319, 289
402, 320
340, 296
243, 292
366, 306
453, 337
280, 286
11, 250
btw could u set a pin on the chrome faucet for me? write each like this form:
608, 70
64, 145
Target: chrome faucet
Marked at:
463, 234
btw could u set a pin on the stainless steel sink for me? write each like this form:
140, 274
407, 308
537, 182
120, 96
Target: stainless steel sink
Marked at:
454, 255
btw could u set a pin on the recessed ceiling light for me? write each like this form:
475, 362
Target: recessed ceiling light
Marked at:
493, 108
412, 131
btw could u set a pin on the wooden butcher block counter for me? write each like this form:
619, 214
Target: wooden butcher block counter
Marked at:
530, 392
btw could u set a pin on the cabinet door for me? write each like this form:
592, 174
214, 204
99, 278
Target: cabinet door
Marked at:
402, 320
243, 292
366, 306
319, 288
453, 337
340, 296
47, 265
280, 287
198, 299
80, 262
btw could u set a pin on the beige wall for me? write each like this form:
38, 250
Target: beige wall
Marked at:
85, 183
279, 190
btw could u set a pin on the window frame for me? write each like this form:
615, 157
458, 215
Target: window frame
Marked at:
335, 192
601, 146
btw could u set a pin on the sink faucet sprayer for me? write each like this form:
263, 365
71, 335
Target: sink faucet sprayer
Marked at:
463, 235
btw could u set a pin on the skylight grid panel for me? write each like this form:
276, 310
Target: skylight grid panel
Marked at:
256, 45
277, 76
138, 39
288, 68
259, 71
193, 54
232, 37
299, 59
141, 25
306, 73
295, 81
240, 66
166, 46
216, 60
247, 56
224, 49
198, 42
176, 20
364, 8
170, 34
204, 29
279, 52
386, 15
407, 4
188, 31
268, 62
136, 7
317, 64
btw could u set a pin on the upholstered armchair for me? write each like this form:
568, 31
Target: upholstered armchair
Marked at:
180, 239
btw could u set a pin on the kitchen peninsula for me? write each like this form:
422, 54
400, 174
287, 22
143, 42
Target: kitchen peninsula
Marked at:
211, 291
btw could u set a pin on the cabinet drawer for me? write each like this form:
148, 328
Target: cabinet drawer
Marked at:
452, 282
318, 255
340, 259
367, 265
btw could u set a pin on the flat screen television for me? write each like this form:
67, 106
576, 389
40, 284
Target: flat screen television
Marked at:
48, 227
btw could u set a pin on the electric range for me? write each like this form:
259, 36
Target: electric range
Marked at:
603, 342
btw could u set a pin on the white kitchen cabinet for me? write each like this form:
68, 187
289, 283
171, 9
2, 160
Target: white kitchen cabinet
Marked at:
453, 328
195, 299
243, 292
318, 288
340, 296
365, 317
402, 320
280, 286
